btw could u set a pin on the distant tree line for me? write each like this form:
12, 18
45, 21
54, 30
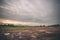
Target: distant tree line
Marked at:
5, 25
55, 25
12, 25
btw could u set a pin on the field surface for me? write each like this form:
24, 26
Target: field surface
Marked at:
30, 33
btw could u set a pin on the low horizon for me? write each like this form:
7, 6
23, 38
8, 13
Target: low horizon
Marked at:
36, 11
14, 22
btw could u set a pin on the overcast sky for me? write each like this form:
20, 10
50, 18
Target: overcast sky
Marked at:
37, 11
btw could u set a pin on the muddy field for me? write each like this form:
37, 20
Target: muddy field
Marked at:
49, 33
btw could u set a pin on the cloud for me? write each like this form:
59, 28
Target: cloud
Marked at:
38, 11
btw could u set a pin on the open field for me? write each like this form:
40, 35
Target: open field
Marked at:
19, 28
30, 33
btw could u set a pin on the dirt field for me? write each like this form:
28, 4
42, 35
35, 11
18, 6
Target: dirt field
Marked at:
49, 33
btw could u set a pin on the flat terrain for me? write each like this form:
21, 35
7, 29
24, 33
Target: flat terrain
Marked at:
30, 33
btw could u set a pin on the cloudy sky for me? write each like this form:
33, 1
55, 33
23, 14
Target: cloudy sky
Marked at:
37, 11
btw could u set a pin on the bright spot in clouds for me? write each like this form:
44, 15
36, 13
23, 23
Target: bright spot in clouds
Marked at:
37, 11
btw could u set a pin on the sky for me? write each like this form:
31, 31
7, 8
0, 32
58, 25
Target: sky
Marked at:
37, 11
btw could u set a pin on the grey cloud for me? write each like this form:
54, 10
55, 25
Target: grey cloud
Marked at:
39, 11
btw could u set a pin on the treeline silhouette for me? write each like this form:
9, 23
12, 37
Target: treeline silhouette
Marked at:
56, 25
12, 25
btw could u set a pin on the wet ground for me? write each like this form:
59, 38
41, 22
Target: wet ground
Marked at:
50, 33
